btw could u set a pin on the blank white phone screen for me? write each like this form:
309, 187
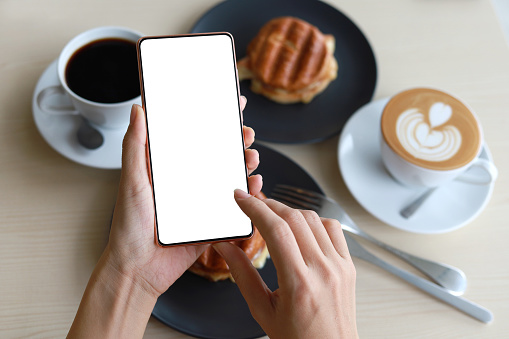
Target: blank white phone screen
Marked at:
195, 137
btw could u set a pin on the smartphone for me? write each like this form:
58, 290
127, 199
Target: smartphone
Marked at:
195, 145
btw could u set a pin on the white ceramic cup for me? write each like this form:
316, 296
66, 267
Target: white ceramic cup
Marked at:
478, 171
106, 115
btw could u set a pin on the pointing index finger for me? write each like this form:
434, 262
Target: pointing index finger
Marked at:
280, 240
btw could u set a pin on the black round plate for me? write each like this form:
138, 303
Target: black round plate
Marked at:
328, 112
204, 309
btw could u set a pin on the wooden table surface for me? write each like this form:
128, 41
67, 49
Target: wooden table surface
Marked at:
55, 214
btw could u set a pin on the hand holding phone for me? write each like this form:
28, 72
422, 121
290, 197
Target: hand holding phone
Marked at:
174, 71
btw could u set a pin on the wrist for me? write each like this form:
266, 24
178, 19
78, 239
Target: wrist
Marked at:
115, 304
122, 278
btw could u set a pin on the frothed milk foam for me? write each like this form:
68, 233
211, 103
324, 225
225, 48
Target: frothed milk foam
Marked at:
431, 129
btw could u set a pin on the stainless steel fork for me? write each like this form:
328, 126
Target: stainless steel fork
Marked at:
449, 277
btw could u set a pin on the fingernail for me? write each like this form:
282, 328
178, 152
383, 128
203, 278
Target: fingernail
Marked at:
245, 99
134, 110
240, 194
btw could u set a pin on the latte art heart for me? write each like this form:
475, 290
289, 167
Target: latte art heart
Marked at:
439, 114
426, 137
431, 129
427, 142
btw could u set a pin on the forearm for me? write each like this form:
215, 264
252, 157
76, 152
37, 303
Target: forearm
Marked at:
114, 305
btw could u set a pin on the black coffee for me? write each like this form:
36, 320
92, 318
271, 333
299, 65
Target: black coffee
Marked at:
104, 71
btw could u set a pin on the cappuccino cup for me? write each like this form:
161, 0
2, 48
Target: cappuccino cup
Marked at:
430, 137
98, 71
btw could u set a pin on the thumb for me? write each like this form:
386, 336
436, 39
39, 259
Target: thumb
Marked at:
250, 283
134, 160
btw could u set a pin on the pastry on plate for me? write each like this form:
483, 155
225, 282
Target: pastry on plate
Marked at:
289, 61
212, 266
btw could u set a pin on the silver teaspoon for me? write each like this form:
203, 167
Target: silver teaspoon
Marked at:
411, 208
462, 304
88, 136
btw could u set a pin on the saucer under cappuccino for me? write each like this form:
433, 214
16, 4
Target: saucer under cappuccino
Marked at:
431, 129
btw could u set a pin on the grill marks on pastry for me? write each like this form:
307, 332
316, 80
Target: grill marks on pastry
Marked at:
301, 56
288, 53
312, 60
289, 61
268, 50
285, 61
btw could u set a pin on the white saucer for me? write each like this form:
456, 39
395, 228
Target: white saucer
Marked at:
448, 208
60, 131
